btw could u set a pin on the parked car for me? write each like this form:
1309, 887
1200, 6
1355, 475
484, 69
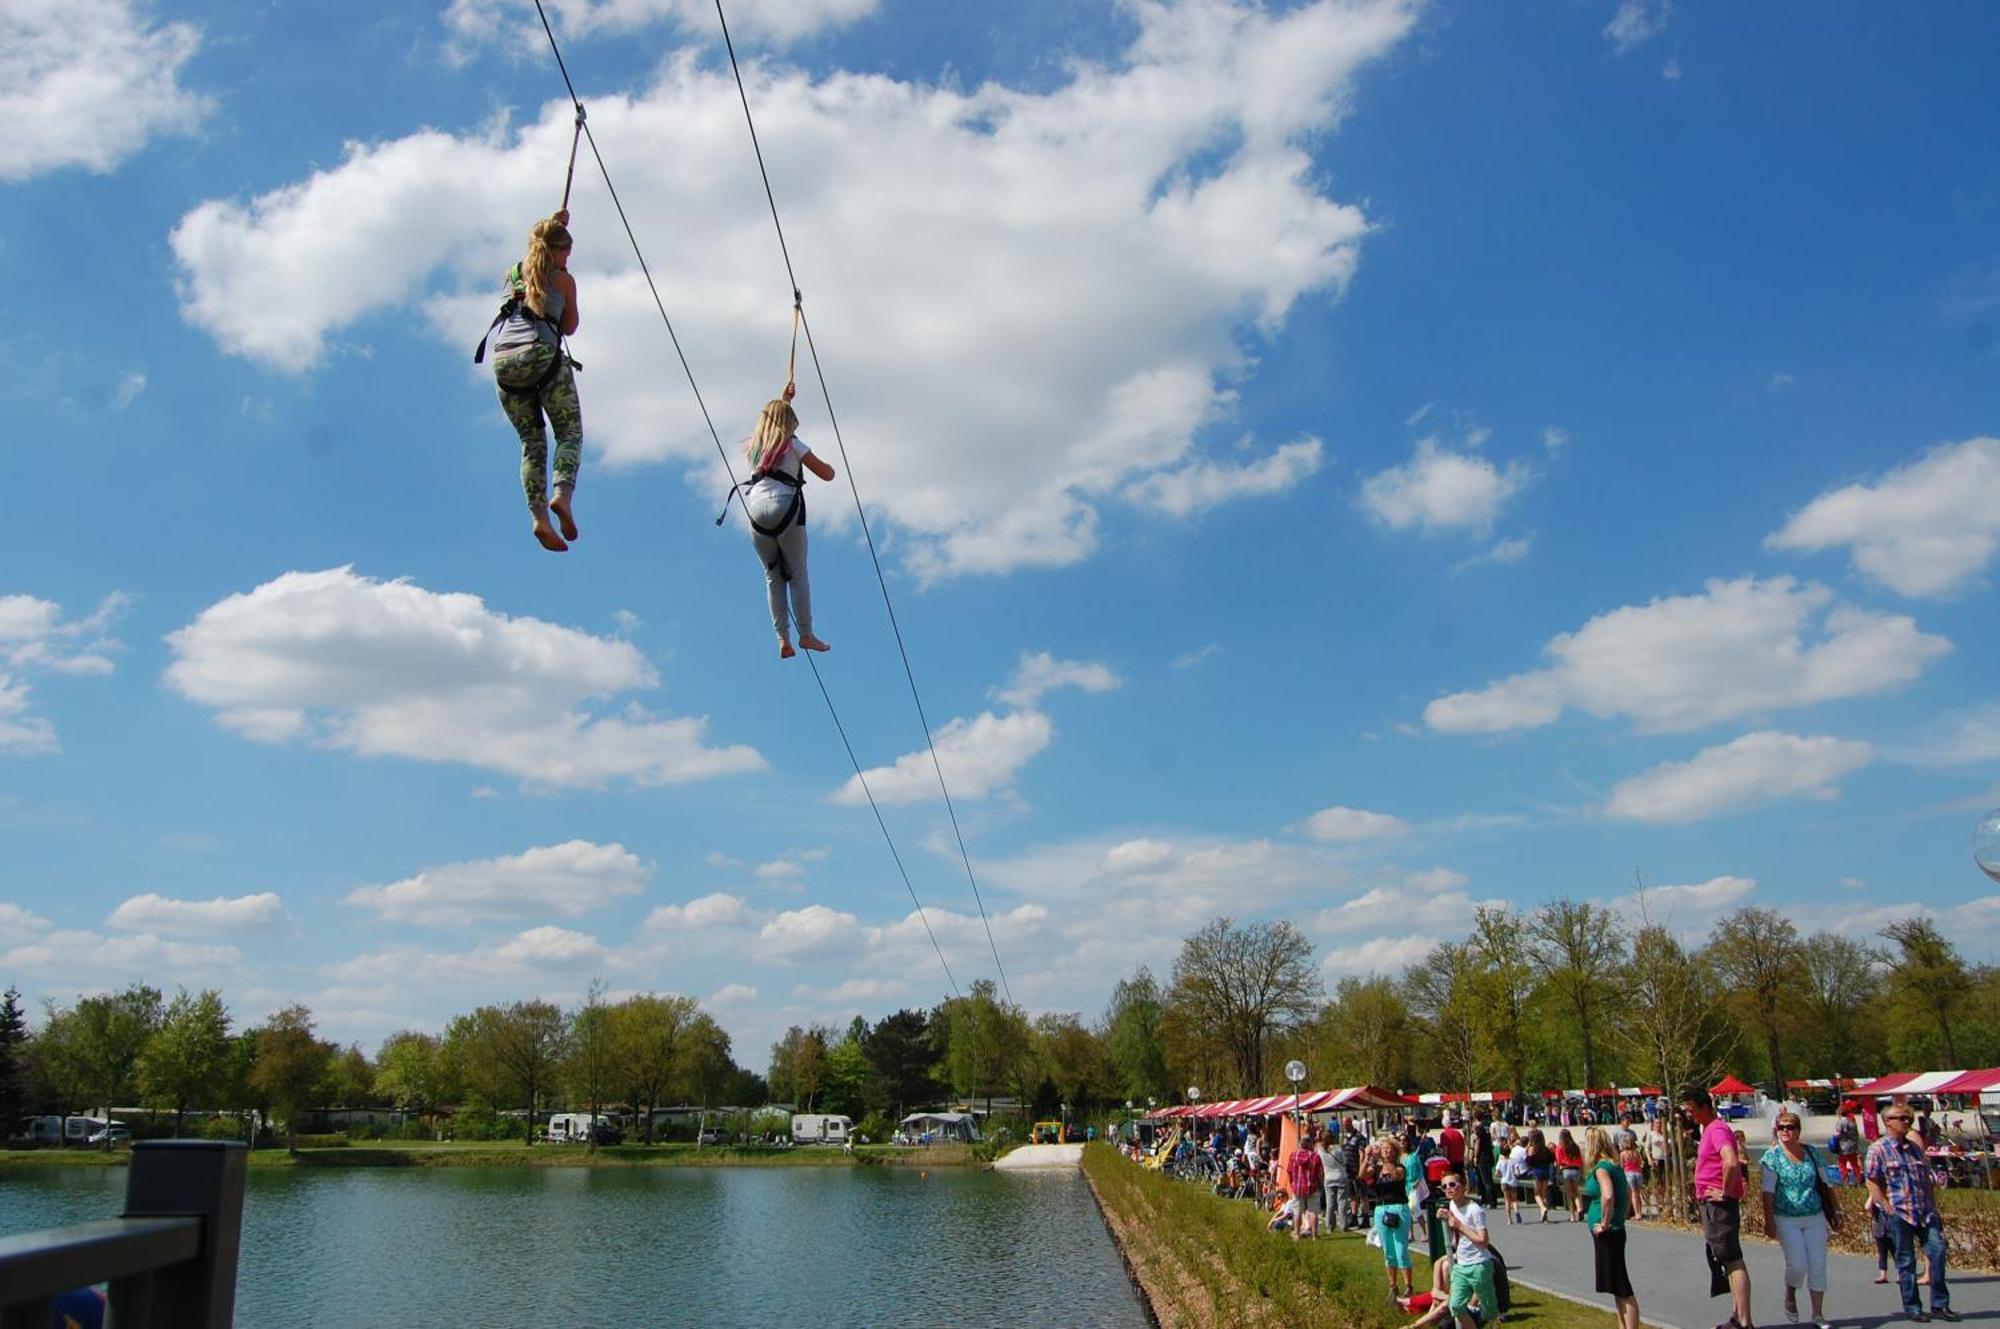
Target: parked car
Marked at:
1072, 1134
1046, 1132
712, 1135
114, 1133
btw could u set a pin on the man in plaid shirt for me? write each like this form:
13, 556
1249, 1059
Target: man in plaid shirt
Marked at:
1899, 1182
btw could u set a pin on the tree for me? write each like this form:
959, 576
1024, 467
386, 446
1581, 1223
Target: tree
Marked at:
1237, 988
291, 1067
350, 1078
846, 1078
798, 1065
410, 1071
1073, 1059
1671, 1018
1133, 1037
1440, 992
187, 1057
986, 1042
1363, 1035
712, 1072
111, 1032
59, 1065
13, 1059
1757, 955
648, 1034
524, 1041
1843, 979
901, 1057
1928, 981
592, 1048
1506, 984
1576, 949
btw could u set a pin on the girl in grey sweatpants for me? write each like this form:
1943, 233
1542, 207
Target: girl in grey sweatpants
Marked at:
776, 506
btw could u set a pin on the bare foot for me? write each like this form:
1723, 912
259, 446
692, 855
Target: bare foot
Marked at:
785, 651
560, 506
550, 540
812, 643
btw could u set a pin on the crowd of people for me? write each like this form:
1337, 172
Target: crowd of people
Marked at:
1399, 1184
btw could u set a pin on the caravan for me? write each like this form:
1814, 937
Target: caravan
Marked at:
580, 1128
74, 1130
819, 1128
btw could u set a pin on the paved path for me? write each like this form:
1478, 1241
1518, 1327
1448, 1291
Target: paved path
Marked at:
1671, 1278
1041, 1156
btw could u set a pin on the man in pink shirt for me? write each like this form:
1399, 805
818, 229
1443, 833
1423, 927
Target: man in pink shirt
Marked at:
1718, 1185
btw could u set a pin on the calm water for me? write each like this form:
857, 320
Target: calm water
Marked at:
647, 1246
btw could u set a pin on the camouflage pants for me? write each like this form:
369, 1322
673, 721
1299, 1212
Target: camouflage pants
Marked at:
515, 373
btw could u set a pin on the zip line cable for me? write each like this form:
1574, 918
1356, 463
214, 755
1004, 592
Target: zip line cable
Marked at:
583, 128
833, 419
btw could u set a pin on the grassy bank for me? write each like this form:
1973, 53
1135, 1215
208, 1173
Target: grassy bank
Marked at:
418, 1154
1206, 1261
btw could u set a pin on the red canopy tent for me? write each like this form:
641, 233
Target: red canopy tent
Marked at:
1729, 1084
1972, 1082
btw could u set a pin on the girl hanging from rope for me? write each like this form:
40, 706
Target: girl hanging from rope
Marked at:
535, 378
775, 502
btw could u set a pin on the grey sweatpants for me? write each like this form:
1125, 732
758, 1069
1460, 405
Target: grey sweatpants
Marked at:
768, 508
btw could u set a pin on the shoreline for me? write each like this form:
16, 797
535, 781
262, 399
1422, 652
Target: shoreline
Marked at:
538, 1156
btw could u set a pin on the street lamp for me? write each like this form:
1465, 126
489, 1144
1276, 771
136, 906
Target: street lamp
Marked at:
1295, 1071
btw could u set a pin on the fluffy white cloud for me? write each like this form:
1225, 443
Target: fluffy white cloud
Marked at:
1925, 529
1756, 768
716, 910
1378, 955
115, 960
1340, 824
979, 755
1439, 489
199, 918
516, 965
1389, 906
1973, 925
35, 637
1636, 22
1681, 662
478, 22
87, 82
570, 879
1679, 904
16, 921
732, 994
1111, 240
1164, 887
812, 933
1970, 737
1042, 673
391, 669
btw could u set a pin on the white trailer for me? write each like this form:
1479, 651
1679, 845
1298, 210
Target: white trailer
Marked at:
576, 1127
820, 1128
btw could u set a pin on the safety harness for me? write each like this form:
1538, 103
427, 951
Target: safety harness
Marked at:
516, 305
794, 512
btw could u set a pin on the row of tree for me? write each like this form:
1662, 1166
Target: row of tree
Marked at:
1566, 995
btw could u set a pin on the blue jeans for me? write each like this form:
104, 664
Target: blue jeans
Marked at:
1906, 1236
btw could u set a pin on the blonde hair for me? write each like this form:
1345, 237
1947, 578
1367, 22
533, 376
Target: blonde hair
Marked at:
548, 235
1598, 1146
775, 426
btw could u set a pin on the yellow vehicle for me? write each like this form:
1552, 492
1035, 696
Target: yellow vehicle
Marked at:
1046, 1132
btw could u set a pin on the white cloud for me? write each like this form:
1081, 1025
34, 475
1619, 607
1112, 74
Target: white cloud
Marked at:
979, 755
199, 918
1636, 22
35, 637
1136, 229
1201, 485
1756, 768
569, 879
129, 388
1927, 528
16, 921
1165, 886
1973, 925
1682, 662
1201, 655
1380, 955
520, 966
717, 910
1503, 552
812, 933
88, 82
1439, 489
116, 960
1435, 880
474, 23
391, 669
1341, 824
1969, 737
1555, 439
732, 994
1042, 673
1674, 905
1388, 906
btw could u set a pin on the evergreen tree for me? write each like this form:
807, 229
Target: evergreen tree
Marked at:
13, 1060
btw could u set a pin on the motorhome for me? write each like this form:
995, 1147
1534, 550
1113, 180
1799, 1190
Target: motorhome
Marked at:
819, 1128
66, 1130
578, 1128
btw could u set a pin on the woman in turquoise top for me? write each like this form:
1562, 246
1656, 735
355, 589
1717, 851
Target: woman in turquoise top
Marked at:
1604, 1176
1791, 1173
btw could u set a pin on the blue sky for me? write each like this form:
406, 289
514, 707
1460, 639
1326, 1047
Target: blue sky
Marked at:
1341, 462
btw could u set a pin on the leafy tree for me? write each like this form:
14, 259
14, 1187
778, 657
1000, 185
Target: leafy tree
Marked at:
1576, 949
1136, 1045
291, 1067
986, 1043
59, 1067
846, 1078
1843, 982
1442, 994
350, 1078
186, 1060
901, 1057
1364, 1035
13, 1059
1757, 954
410, 1071
1073, 1059
524, 1042
649, 1035
592, 1049
798, 1065
711, 1070
1929, 983
1505, 981
111, 1032
1672, 1020
1237, 988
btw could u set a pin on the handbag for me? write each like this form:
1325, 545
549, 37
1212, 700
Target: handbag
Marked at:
1391, 1219
1829, 1203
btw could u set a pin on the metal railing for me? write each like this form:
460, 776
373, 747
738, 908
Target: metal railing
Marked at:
170, 1259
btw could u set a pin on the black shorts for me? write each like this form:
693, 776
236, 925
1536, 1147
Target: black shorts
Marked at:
1612, 1279
1722, 1229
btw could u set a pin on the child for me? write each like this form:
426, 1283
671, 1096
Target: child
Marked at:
1635, 1173
776, 506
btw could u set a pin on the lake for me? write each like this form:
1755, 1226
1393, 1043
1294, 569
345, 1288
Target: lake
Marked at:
349, 1249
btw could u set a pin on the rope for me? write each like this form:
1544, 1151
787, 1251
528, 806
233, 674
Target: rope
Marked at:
801, 321
569, 177
583, 129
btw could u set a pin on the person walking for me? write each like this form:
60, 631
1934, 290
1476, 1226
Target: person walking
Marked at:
1333, 1170
1514, 1177
1569, 1173
1791, 1178
1483, 1160
1541, 1162
1608, 1197
1382, 1175
1353, 1144
1634, 1168
1472, 1259
1847, 1147
1305, 1177
1899, 1183
1718, 1188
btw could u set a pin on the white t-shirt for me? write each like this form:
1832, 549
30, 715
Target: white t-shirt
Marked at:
1502, 1133
769, 499
1473, 1216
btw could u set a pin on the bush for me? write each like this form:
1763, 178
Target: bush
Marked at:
876, 1126
221, 1128
322, 1142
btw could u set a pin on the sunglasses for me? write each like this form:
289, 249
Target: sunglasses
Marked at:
1783, 1127
1904, 1120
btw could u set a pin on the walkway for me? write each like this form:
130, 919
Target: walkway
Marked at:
1041, 1156
1671, 1278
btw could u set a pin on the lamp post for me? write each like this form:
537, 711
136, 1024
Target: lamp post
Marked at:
1295, 1071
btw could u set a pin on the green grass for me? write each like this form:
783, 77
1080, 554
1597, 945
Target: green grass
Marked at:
1206, 1260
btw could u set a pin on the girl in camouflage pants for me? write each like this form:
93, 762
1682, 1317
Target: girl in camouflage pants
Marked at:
535, 379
